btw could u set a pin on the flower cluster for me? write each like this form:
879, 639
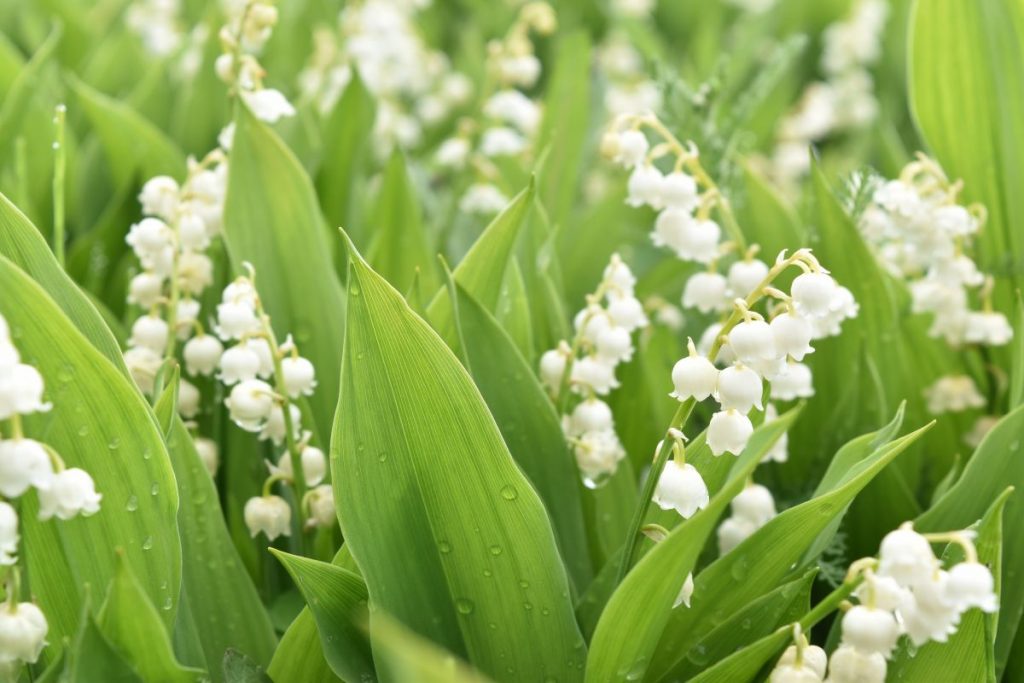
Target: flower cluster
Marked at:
414, 85
845, 99
266, 378
27, 464
510, 117
604, 330
170, 242
250, 23
921, 233
157, 23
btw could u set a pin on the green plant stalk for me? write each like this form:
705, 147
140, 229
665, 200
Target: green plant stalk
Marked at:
59, 164
679, 422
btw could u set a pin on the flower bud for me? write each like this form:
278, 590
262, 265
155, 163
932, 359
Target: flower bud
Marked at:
849, 665
70, 493
618, 276
268, 104
150, 331
745, 276
813, 658
795, 381
679, 191
321, 506
591, 415
159, 197
145, 289
728, 432
23, 630
299, 376
706, 292
268, 514
739, 388
594, 373
250, 404
870, 630
752, 341
971, 585
694, 377
631, 149
732, 532
681, 488
202, 354
239, 363
314, 465
23, 463
685, 593
644, 187
614, 344
21, 391
907, 556
235, 319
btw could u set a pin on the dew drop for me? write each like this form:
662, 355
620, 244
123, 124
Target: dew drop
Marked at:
114, 444
83, 430
382, 456
132, 505
524, 584
464, 605
509, 493
1015, 445
527, 606
495, 550
154, 489
353, 290
148, 543
488, 573
445, 547
146, 454
168, 603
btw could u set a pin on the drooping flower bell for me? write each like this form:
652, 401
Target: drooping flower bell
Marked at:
694, 376
71, 493
728, 432
681, 488
270, 515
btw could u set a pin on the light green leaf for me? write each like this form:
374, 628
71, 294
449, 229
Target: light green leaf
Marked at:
16, 101
407, 658
238, 668
1016, 398
420, 471
98, 422
337, 599
272, 220
218, 595
529, 425
90, 657
132, 624
641, 607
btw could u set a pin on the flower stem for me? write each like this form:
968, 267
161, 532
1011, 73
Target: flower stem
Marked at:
59, 163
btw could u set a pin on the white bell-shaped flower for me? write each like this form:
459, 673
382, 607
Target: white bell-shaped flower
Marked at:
194, 273
812, 657
739, 388
275, 428
591, 415
732, 532
314, 465
793, 334
159, 197
907, 556
142, 363
679, 191
593, 373
9, 356
989, 328
795, 381
240, 291
192, 232
209, 453
590, 322
24, 463
618, 277
148, 238
189, 399
552, 368
793, 674
728, 432
21, 391
151, 332
239, 363
870, 630
954, 220
694, 377
744, 276
262, 349
236, 319
187, 316
626, 312
23, 631
145, 289
752, 341
706, 291
598, 455
971, 585
270, 515
850, 665
202, 354
928, 614
685, 593
644, 187
812, 292
268, 104
779, 452
690, 238
615, 344
707, 340
321, 506
70, 493
755, 503
502, 141
631, 148
884, 592
250, 404
899, 198
299, 376
953, 394
8, 534
681, 488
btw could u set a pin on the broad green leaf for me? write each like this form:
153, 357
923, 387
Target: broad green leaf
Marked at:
90, 657
564, 130
641, 606
765, 559
238, 668
768, 217
1016, 397
272, 220
966, 72
219, 596
98, 422
421, 471
300, 657
529, 425
134, 146
408, 658
337, 599
24, 246
399, 245
346, 138
995, 465
969, 654
132, 624
17, 100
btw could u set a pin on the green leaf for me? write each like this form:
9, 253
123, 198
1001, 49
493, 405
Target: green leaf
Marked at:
641, 607
399, 245
969, 654
218, 595
337, 599
132, 624
420, 470
995, 465
530, 426
98, 422
238, 668
408, 658
25, 247
272, 220
765, 559
1016, 397
300, 657
966, 72
91, 657
134, 146
16, 100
